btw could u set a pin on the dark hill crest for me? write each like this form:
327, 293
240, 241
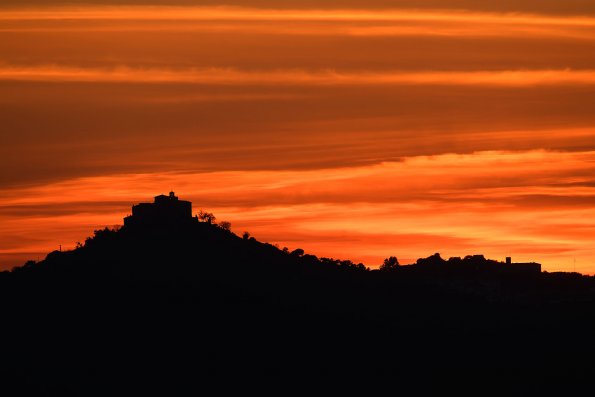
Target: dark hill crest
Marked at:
175, 306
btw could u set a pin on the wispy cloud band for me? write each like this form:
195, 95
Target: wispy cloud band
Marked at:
228, 76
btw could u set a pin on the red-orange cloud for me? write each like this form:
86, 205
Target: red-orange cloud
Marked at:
521, 204
297, 77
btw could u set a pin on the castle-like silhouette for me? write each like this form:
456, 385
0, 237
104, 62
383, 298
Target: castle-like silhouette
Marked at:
164, 211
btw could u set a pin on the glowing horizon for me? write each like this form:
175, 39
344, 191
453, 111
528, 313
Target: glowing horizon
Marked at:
273, 206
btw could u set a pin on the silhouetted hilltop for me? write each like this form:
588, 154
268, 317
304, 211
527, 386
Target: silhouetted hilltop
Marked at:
188, 255
191, 255
177, 306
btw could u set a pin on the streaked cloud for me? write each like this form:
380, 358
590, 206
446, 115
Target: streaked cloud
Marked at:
297, 77
550, 7
532, 205
361, 130
223, 13
357, 22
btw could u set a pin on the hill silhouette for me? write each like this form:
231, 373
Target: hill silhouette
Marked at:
179, 307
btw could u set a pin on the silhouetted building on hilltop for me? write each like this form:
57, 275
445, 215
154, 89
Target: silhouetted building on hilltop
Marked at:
523, 267
475, 264
166, 210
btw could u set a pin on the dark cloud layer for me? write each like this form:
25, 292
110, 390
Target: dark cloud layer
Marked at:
536, 6
59, 131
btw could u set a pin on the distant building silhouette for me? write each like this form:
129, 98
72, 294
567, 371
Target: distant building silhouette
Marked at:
523, 267
472, 264
166, 210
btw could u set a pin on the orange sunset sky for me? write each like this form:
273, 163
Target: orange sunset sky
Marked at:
354, 129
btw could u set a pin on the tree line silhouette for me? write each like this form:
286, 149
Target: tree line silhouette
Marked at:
179, 308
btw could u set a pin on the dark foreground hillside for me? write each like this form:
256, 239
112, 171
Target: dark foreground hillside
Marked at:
178, 311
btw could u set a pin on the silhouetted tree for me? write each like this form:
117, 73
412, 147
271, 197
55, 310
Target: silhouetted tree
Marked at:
352, 266
207, 217
225, 225
390, 263
246, 235
297, 252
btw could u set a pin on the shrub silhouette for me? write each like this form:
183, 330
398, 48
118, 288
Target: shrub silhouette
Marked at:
207, 217
225, 225
390, 263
